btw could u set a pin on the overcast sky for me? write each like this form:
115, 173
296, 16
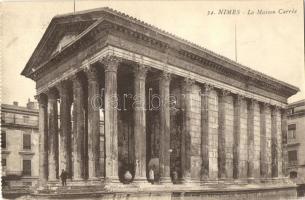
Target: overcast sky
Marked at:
272, 44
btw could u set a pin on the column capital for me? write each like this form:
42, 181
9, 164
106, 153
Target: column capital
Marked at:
52, 94
223, 92
274, 109
77, 81
187, 84
92, 73
62, 87
165, 77
238, 99
140, 71
41, 98
264, 105
111, 63
207, 88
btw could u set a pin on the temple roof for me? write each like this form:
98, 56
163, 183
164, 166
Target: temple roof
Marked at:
78, 24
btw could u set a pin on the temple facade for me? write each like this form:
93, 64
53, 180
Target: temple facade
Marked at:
194, 117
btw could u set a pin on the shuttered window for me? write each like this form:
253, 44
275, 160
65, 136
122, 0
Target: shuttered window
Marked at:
27, 168
26, 141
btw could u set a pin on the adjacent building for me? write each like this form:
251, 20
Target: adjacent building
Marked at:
19, 144
296, 141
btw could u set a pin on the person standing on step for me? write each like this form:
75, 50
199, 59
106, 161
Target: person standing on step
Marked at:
63, 177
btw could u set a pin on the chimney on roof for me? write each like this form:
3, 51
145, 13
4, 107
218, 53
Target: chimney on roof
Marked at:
31, 104
15, 103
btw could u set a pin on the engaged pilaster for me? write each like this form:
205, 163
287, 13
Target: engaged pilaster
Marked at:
284, 142
251, 139
265, 145
139, 107
238, 166
223, 151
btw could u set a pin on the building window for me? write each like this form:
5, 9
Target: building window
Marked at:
26, 168
27, 141
26, 119
3, 162
291, 131
292, 157
3, 139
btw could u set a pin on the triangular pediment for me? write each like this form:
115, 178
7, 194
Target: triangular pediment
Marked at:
58, 35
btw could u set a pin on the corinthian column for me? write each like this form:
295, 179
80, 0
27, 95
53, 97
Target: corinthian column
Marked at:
237, 165
251, 139
209, 137
140, 123
276, 143
164, 159
186, 134
222, 150
111, 64
93, 124
53, 135
78, 127
284, 138
65, 127
43, 138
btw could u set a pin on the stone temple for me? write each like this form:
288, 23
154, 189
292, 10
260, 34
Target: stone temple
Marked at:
207, 126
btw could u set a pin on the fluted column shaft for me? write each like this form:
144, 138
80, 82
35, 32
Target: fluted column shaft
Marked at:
251, 139
78, 127
205, 91
276, 143
93, 125
65, 127
140, 122
186, 134
52, 135
284, 142
164, 155
43, 138
222, 171
111, 64
237, 137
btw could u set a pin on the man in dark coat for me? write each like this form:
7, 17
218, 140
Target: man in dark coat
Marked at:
64, 176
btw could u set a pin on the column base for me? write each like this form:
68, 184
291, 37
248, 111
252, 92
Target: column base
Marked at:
209, 181
166, 181
252, 180
141, 182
